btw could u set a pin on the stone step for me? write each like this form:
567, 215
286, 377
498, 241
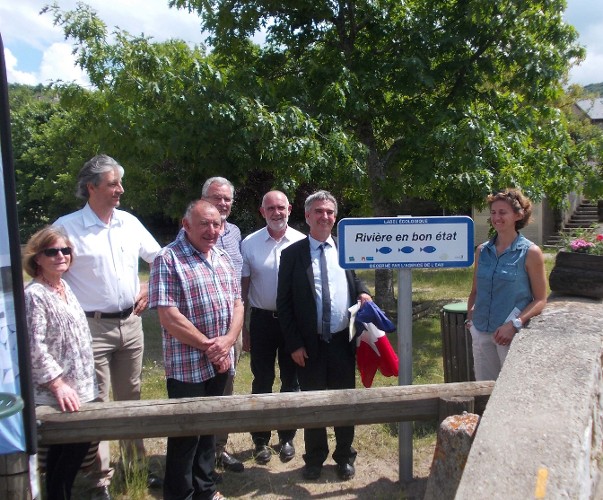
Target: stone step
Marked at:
577, 225
584, 217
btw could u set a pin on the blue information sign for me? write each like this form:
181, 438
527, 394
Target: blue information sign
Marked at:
405, 242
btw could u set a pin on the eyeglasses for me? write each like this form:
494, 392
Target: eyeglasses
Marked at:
218, 199
53, 252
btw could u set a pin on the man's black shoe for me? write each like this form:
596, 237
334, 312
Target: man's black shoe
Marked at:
262, 454
312, 472
229, 463
154, 482
287, 451
345, 471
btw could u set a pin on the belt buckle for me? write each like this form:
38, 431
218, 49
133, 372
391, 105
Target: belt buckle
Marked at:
98, 315
275, 314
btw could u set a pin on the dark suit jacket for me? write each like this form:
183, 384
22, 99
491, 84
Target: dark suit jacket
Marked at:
296, 303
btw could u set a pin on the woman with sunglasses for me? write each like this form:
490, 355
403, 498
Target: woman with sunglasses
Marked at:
61, 348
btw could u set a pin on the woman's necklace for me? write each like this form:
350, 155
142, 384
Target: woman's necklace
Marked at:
60, 288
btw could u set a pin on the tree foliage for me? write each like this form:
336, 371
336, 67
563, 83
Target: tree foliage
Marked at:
449, 100
595, 88
32, 108
173, 116
381, 102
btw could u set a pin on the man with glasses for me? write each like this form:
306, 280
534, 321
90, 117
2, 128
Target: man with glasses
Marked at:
107, 243
220, 193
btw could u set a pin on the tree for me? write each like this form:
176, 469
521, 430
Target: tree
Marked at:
381, 101
449, 100
174, 116
31, 109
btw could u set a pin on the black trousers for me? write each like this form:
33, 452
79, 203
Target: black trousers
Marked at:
333, 368
190, 460
62, 464
268, 345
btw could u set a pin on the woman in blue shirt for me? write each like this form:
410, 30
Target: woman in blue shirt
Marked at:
509, 283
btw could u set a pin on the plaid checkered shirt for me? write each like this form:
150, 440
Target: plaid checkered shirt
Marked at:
204, 291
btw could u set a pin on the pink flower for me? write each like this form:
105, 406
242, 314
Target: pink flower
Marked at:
581, 245
588, 241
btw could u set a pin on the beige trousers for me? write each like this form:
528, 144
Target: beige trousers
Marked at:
118, 352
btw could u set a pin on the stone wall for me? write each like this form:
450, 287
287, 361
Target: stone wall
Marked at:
541, 433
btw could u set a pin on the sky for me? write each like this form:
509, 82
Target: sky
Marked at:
36, 51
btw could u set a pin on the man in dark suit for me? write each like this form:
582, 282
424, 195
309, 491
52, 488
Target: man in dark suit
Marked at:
310, 283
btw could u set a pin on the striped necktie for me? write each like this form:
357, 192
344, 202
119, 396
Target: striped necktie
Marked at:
326, 295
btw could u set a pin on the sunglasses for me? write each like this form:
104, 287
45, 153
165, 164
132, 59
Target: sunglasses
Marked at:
53, 252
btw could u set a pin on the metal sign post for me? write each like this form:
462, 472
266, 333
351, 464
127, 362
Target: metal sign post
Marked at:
405, 243
405, 369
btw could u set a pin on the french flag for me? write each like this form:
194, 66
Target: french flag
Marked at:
374, 352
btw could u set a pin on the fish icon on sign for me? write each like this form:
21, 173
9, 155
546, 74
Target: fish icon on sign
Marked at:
407, 249
384, 250
428, 249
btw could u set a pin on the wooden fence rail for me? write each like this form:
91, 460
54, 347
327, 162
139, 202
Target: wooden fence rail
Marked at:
193, 416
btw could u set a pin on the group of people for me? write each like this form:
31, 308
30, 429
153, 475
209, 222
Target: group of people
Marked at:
85, 300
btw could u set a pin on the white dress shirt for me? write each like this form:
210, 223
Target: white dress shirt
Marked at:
104, 271
261, 258
338, 285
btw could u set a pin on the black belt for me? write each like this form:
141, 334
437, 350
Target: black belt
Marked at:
265, 312
119, 314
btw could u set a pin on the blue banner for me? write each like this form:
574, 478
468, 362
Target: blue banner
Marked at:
17, 425
12, 438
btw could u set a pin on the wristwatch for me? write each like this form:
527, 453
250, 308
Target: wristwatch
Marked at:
517, 323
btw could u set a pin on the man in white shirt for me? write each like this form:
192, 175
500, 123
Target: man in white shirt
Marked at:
104, 277
261, 256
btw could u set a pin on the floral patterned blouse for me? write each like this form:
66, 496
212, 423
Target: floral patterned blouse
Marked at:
60, 343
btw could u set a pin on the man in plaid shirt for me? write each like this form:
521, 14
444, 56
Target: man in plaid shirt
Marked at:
197, 294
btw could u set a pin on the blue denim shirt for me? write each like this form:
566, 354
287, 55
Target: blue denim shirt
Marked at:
502, 284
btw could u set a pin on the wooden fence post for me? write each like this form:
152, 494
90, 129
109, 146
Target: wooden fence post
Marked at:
14, 476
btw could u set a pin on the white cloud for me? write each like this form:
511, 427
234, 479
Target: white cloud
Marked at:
13, 75
58, 63
27, 28
587, 17
589, 71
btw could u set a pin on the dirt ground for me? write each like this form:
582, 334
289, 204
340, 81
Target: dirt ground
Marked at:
376, 477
